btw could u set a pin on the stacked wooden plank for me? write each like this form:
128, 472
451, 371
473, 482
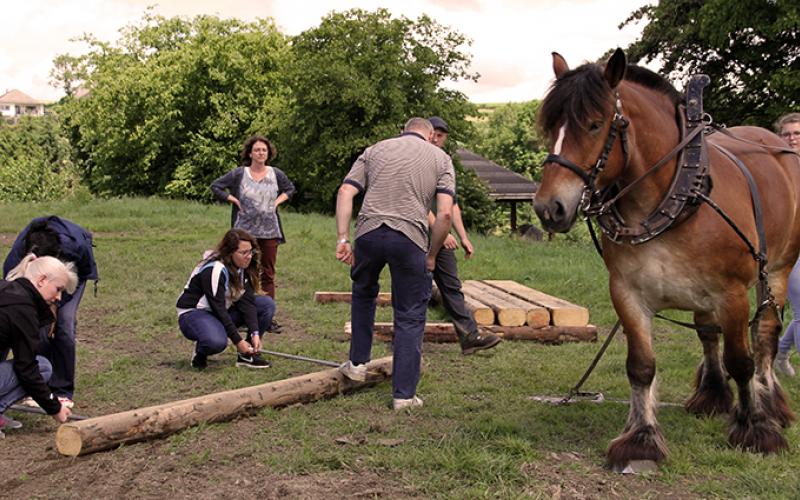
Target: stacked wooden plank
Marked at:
384, 298
446, 332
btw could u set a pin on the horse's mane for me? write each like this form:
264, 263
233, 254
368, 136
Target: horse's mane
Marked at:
583, 92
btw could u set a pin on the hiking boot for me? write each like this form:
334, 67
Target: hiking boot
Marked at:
478, 341
252, 361
399, 404
199, 361
353, 371
275, 327
7, 423
782, 365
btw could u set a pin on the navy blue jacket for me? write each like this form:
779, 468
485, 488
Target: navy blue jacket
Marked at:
76, 247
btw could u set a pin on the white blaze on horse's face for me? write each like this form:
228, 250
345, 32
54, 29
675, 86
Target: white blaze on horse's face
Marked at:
560, 140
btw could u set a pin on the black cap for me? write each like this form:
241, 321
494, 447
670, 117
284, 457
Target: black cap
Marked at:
438, 123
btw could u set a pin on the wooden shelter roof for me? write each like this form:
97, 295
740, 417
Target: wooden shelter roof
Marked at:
504, 184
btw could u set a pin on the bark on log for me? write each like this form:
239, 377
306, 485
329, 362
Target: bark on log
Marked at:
547, 334
384, 298
562, 312
434, 332
100, 433
510, 311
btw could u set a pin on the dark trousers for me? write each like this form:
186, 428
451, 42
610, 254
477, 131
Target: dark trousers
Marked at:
411, 291
60, 350
203, 327
269, 254
446, 277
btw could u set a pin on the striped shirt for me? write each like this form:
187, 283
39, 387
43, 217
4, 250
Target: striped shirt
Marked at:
401, 177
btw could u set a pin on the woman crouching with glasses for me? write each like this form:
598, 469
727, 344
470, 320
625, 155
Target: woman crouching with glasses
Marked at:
220, 296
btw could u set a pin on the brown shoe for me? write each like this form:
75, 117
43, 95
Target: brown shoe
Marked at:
478, 341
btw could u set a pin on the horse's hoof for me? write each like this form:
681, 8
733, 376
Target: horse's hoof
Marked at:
644, 443
759, 435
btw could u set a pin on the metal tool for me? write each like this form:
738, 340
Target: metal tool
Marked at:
302, 358
39, 411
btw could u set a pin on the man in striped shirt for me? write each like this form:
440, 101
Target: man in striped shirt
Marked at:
400, 178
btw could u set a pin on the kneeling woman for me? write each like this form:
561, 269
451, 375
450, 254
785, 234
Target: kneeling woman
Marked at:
220, 296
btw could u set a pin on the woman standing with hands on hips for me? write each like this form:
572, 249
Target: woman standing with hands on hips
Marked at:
255, 190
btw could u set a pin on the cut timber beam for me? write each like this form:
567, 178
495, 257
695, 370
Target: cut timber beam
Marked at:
445, 332
384, 299
434, 332
100, 433
482, 313
511, 311
547, 334
562, 313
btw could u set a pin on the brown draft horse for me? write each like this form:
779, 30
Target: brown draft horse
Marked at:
698, 265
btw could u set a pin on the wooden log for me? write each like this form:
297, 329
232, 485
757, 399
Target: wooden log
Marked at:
547, 334
100, 433
384, 298
434, 332
510, 310
562, 312
482, 313
445, 332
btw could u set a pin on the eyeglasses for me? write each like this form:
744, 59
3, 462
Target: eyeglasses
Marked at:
786, 135
245, 253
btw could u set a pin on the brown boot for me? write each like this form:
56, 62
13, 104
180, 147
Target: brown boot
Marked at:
478, 341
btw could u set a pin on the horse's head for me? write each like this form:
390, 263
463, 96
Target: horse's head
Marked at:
577, 116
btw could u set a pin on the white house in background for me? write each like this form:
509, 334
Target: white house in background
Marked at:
15, 103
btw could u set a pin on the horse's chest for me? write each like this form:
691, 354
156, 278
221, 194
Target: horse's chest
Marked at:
663, 279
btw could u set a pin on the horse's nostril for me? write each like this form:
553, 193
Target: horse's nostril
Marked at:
560, 212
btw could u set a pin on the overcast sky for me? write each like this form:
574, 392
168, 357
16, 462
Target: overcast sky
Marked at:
512, 39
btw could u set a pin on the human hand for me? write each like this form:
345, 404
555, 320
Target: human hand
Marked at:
256, 339
450, 242
63, 415
235, 201
244, 347
344, 253
468, 249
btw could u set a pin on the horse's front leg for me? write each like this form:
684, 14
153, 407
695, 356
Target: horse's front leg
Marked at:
753, 425
712, 393
641, 439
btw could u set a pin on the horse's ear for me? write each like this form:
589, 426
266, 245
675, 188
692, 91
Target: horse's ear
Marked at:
560, 66
615, 68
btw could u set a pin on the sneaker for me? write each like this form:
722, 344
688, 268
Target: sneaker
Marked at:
275, 327
478, 341
9, 423
29, 402
353, 371
782, 364
199, 361
399, 404
67, 402
252, 361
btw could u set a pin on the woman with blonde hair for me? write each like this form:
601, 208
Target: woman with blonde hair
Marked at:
33, 286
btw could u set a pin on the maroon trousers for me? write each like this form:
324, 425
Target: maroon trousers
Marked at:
269, 253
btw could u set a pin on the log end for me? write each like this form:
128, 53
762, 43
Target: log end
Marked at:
483, 316
511, 317
68, 440
578, 316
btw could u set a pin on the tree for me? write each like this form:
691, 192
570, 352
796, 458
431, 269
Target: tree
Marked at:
171, 103
356, 79
749, 48
509, 137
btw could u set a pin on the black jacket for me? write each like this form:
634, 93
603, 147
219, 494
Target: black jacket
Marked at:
23, 313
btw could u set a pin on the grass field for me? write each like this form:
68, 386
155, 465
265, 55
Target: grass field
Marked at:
479, 434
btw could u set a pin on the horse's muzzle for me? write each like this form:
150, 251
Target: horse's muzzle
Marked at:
555, 217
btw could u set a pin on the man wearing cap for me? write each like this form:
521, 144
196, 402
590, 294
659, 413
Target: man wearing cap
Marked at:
445, 274
400, 178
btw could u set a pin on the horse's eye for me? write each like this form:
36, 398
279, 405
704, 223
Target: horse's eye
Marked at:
594, 126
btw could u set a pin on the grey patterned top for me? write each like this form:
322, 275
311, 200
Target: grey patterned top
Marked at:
258, 216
